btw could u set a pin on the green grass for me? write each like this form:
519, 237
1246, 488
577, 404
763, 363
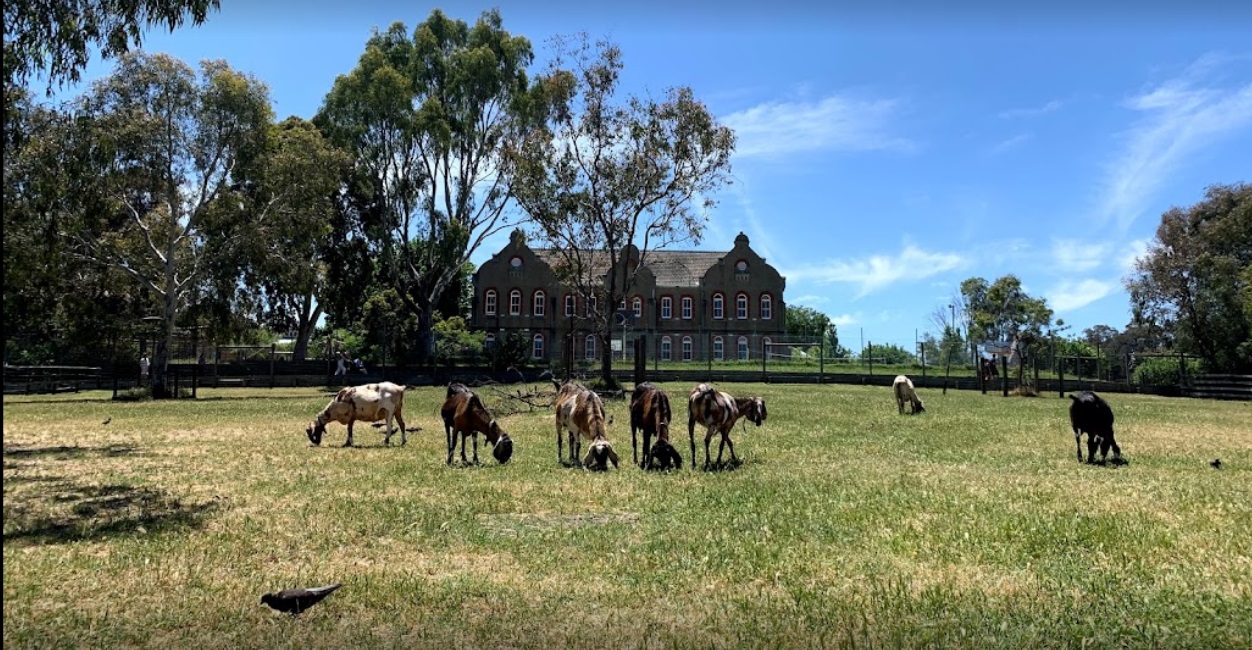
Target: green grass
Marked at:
847, 525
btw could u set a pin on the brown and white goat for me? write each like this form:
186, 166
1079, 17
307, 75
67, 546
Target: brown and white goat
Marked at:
650, 412
581, 412
367, 403
719, 411
904, 392
464, 412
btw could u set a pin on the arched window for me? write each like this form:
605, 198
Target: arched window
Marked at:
719, 306
592, 305
536, 351
489, 302
687, 302
540, 306
489, 341
667, 308
589, 348
767, 306
719, 349
687, 349
515, 302
637, 307
766, 351
667, 349
569, 304
741, 306
743, 348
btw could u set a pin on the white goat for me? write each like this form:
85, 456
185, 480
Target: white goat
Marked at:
903, 388
368, 403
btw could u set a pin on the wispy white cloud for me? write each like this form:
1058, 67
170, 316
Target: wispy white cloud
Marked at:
834, 123
879, 271
843, 320
1076, 256
809, 299
1131, 252
1005, 145
1179, 116
1031, 112
1069, 294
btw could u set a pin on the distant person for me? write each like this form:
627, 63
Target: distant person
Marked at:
341, 369
360, 366
143, 368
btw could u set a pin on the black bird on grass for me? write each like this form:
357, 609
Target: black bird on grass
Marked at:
1216, 463
107, 420
294, 601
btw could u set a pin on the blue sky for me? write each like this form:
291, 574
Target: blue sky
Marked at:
886, 151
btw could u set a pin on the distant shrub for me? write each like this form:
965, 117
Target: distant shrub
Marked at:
1158, 371
134, 395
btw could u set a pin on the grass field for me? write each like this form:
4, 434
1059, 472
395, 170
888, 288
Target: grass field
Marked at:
847, 525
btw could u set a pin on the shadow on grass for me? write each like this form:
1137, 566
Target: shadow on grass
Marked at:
70, 512
63, 452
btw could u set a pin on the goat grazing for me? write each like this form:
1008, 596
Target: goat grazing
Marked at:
1090, 414
718, 411
650, 412
464, 412
903, 388
581, 412
368, 403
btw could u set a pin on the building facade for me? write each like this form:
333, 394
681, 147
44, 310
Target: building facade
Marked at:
688, 305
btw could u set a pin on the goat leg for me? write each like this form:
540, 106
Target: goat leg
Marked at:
691, 433
348, 442
451, 442
560, 453
1092, 443
404, 432
634, 444
720, 448
729, 443
647, 449
475, 437
1078, 442
707, 439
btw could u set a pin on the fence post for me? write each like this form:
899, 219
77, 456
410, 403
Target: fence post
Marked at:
871, 360
1004, 375
923, 364
947, 373
764, 358
273, 350
821, 361
1060, 378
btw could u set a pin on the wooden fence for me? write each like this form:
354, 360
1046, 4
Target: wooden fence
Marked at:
1220, 387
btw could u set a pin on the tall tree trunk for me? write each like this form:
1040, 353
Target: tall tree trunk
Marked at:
304, 330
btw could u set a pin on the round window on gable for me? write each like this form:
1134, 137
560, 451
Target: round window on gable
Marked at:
516, 262
741, 266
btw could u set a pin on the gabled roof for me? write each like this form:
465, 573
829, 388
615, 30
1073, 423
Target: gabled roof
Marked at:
671, 268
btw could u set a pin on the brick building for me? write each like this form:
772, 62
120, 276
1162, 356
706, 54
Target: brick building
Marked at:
690, 305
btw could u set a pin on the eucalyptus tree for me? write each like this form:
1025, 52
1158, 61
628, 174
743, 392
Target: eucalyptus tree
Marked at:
278, 268
1003, 311
163, 144
605, 173
426, 119
56, 37
1196, 277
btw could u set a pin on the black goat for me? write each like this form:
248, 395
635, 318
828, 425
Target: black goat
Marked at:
1090, 414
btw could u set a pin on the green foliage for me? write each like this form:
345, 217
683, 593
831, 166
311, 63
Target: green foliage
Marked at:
512, 350
889, 353
1157, 371
55, 38
1194, 279
454, 341
427, 120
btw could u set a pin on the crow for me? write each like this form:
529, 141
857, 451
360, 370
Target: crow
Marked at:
294, 601
1216, 463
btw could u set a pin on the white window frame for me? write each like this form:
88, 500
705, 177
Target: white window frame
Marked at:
537, 348
687, 349
741, 306
719, 306
539, 306
687, 304
515, 302
719, 349
745, 353
570, 304
589, 347
667, 349
490, 302
637, 307
667, 307
767, 307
